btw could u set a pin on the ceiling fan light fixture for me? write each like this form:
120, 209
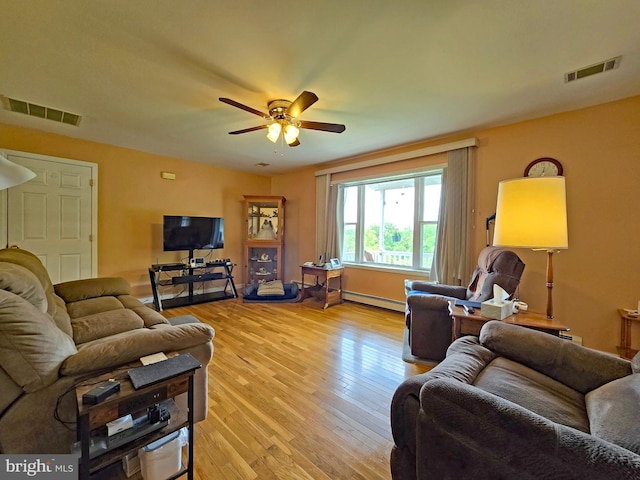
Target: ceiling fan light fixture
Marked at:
274, 132
291, 134
282, 119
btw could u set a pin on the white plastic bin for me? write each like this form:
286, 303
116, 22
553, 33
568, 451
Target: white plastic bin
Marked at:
131, 464
163, 458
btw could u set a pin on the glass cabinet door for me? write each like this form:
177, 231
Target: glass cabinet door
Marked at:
264, 238
264, 218
263, 264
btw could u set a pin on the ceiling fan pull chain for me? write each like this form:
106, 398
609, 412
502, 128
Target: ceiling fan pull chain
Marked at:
281, 144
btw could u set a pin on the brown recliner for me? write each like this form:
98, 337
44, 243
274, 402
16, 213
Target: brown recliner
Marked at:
428, 312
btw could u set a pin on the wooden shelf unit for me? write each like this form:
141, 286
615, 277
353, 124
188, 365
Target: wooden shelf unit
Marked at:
263, 238
130, 400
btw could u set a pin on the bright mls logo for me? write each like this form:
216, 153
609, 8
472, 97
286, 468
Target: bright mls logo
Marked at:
50, 467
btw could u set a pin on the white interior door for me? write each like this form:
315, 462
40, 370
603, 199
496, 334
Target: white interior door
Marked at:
52, 215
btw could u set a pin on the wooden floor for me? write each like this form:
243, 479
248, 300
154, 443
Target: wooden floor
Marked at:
297, 392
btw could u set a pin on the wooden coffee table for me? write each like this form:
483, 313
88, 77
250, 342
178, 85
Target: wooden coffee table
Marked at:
470, 323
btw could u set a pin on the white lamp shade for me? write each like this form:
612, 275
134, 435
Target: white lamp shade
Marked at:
274, 132
532, 213
291, 134
12, 174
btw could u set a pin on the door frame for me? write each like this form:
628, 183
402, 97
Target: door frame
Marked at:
4, 235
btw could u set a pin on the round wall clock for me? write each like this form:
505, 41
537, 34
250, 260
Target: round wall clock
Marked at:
543, 167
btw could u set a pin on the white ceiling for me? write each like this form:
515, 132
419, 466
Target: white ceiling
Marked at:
147, 74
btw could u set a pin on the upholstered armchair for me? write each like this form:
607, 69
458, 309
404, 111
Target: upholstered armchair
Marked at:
428, 313
515, 403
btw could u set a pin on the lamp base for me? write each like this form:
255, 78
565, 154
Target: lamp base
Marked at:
549, 284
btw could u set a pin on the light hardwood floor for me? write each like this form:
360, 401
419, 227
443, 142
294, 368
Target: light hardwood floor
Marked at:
297, 392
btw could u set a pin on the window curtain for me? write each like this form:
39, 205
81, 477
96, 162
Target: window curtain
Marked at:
452, 263
328, 219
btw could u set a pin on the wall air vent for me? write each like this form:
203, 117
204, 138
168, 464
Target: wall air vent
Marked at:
20, 106
592, 69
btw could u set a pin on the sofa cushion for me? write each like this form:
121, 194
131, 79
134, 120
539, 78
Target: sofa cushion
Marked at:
82, 308
58, 311
17, 279
99, 325
91, 288
28, 260
55, 305
149, 316
535, 392
581, 368
614, 412
32, 348
129, 346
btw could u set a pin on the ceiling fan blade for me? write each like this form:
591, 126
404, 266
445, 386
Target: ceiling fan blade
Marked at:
295, 143
325, 127
300, 104
233, 103
245, 130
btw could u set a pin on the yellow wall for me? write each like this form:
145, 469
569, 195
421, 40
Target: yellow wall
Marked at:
300, 218
599, 148
132, 198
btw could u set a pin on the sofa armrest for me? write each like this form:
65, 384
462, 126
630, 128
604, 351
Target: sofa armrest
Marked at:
428, 302
581, 368
465, 432
129, 346
76, 290
436, 288
465, 360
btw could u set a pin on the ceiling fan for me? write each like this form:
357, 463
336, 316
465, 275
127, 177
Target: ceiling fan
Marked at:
283, 118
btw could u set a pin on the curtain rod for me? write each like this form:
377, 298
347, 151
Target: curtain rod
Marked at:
421, 152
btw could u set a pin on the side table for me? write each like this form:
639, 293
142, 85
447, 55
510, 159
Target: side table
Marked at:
330, 296
624, 349
470, 323
129, 400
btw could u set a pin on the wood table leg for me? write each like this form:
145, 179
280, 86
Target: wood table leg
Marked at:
455, 328
625, 336
326, 292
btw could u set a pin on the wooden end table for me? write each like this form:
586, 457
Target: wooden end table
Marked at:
470, 323
331, 296
624, 349
129, 400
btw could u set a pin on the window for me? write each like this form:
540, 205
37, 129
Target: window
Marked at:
391, 221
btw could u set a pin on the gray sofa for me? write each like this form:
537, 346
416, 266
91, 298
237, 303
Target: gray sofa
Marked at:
52, 336
517, 403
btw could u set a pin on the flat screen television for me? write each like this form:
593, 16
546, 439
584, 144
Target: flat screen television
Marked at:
192, 233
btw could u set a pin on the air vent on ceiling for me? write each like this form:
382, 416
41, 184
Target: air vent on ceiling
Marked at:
20, 106
592, 69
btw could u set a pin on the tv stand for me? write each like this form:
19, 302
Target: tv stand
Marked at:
172, 274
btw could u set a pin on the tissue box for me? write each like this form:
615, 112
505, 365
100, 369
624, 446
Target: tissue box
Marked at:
496, 311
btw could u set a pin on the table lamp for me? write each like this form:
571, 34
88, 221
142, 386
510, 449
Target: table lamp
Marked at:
531, 213
12, 174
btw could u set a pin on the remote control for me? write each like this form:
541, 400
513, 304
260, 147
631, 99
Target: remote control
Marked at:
468, 309
101, 391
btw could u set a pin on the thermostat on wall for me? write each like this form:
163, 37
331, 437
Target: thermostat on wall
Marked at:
197, 262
